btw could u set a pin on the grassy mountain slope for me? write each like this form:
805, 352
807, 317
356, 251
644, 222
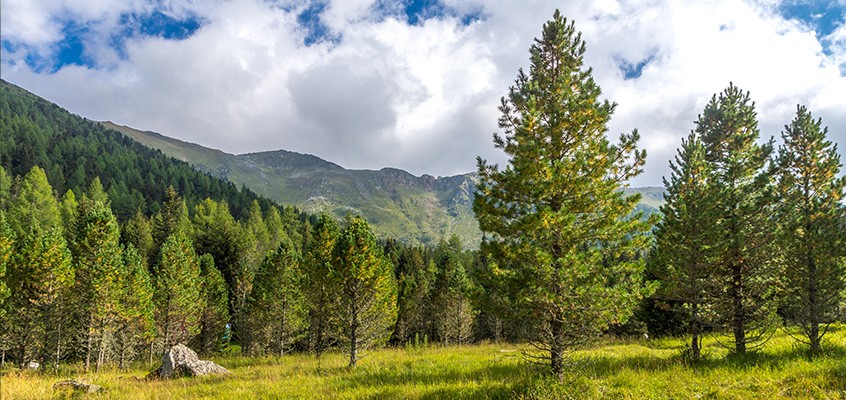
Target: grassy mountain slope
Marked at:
420, 209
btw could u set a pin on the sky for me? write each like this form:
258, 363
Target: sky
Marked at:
415, 84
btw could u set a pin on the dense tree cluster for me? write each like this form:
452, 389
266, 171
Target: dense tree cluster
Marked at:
85, 287
750, 239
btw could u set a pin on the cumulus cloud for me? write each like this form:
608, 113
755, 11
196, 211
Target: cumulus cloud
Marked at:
370, 83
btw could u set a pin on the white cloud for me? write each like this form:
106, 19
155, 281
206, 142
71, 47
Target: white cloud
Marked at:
422, 97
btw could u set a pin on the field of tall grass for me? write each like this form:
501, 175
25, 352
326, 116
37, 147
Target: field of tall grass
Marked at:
609, 369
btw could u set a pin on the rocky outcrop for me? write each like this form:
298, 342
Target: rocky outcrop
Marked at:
77, 386
182, 361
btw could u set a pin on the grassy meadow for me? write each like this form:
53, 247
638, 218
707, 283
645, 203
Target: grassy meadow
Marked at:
609, 369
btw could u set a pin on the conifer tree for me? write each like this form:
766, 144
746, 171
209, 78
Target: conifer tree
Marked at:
138, 232
277, 307
6, 248
5, 188
136, 326
215, 314
365, 304
415, 277
681, 241
176, 294
554, 220
219, 235
40, 277
100, 274
450, 304
741, 233
39, 273
320, 287
811, 236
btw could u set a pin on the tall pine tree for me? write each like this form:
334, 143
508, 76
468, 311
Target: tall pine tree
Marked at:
811, 237
554, 219
365, 303
681, 241
742, 231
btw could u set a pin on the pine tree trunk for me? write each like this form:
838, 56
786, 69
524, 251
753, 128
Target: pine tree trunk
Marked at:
353, 345
814, 333
696, 329
557, 349
737, 304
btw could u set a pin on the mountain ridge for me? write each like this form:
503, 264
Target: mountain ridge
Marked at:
398, 204
414, 209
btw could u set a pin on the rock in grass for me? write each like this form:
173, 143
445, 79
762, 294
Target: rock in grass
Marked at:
77, 386
182, 361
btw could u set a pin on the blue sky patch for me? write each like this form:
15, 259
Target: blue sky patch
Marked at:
71, 49
823, 17
316, 30
417, 12
633, 70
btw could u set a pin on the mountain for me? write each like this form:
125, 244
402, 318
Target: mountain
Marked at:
397, 204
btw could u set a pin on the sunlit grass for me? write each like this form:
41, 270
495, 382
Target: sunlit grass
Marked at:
609, 369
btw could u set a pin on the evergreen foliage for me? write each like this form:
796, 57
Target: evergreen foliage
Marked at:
277, 306
742, 233
682, 244
365, 304
320, 287
215, 316
176, 295
812, 237
563, 235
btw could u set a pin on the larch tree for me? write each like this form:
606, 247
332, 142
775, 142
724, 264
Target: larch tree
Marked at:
215, 314
366, 297
277, 306
451, 311
39, 273
99, 274
319, 285
136, 326
682, 243
742, 232
811, 237
6, 247
567, 240
176, 295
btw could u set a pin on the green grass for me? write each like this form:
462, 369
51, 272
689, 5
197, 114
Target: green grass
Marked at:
611, 369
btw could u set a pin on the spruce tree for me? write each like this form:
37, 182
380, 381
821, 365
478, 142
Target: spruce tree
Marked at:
741, 234
554, 219
681, 241
811, 236
365, 301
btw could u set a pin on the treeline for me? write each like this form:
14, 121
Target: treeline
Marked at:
87, 288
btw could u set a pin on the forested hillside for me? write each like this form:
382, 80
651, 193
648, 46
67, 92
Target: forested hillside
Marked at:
73, 150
